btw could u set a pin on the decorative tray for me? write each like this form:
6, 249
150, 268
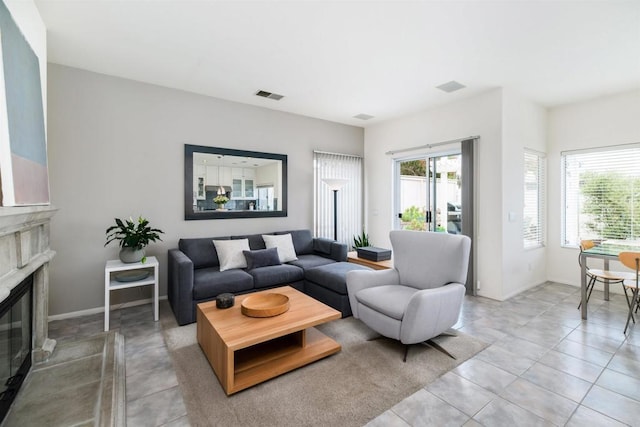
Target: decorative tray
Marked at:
265, 305
131, 276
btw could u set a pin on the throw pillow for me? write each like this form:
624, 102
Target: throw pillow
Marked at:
261, 258
230, 253
284, 244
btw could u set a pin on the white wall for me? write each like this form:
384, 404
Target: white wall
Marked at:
116, 149
601, 122
480, 115
524, 126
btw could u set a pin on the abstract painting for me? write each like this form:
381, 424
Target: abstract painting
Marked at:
23, 146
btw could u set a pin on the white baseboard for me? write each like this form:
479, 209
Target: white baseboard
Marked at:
599, 286
524, 288
101, 309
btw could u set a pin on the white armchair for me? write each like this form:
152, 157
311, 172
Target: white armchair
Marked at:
421, 297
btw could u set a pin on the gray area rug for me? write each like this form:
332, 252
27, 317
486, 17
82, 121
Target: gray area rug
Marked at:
349, 388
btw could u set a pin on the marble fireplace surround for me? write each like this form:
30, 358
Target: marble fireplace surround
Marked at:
24, 250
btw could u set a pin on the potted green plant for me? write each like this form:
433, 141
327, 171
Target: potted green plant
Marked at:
220, 200
133, 237
361, 241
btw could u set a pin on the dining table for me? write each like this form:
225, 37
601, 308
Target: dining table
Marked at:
607, 250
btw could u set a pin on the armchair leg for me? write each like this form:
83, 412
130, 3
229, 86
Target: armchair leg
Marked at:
433, 344
430, 343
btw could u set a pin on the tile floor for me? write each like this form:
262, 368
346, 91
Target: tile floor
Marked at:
545, 366
82, 372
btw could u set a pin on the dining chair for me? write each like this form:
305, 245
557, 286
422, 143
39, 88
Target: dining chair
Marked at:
599, 275
631, 260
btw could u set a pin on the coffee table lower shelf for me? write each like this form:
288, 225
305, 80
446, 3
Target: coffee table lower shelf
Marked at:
245, 367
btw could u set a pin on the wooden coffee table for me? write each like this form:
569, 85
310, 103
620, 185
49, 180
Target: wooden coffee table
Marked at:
244, 351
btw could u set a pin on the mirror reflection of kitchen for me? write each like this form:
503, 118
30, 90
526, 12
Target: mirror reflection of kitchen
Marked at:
249, 183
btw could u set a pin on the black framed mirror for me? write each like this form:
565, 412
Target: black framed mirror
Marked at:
224, 183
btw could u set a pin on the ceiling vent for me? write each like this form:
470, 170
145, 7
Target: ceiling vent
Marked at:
451, 86
363, 116
270, 95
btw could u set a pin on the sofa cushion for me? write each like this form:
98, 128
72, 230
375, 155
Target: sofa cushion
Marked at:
262, 258
230, 253
302, 240
322, 245
200, 251
310, 261
255, 241
284, 244
284, 274
210, 282
332, 276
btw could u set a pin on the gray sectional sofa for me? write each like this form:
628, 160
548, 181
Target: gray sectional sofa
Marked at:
195, 276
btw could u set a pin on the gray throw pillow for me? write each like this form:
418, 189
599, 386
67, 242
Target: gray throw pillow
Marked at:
262, 258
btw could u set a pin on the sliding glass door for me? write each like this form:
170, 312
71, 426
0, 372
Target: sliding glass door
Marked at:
429, 193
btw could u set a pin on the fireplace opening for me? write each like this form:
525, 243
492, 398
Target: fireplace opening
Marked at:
15, 342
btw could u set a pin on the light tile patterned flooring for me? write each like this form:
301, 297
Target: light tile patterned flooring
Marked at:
545, 366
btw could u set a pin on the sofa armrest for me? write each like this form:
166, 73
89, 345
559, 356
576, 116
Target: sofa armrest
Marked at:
430, 312
180, 286
363, 279
329, 248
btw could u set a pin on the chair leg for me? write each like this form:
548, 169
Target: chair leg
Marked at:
406, 351
626, 294
634, 301
590, 286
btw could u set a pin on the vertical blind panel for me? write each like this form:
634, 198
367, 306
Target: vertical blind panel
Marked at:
534, 200
601, 195
349, 211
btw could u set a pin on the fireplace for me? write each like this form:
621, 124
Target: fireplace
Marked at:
24, 295
16, 314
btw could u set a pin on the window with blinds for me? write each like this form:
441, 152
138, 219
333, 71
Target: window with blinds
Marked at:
533, 224
601, 194
338, 167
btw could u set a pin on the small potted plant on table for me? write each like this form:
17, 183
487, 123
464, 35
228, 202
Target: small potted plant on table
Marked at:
133, 238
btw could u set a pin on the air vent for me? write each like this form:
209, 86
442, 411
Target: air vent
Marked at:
451, 86
270, 95
363, 116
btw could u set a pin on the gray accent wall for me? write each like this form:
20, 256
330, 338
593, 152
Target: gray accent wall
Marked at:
116, 150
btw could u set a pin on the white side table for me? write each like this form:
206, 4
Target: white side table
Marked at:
110, 283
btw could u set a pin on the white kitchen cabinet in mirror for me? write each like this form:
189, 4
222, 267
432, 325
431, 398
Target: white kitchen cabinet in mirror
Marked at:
241, 176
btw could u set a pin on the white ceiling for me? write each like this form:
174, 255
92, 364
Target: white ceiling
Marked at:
333, 60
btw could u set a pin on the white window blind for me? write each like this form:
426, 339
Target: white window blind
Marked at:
349, 197
601, 194
533, 214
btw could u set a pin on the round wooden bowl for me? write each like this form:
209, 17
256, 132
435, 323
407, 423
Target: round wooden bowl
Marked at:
265, 305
